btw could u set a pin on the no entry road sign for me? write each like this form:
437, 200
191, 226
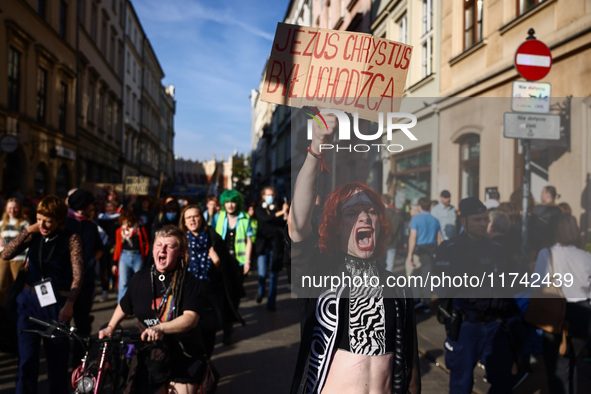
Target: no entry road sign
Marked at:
533, 60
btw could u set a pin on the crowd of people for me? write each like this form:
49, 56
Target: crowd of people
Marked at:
179, 270
491, 328
191, 258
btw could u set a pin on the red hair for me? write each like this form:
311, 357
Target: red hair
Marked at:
329, 241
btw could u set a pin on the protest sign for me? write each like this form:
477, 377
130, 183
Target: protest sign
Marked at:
353, 72
137, 185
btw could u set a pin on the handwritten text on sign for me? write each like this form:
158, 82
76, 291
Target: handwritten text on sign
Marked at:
335, 69
137, 185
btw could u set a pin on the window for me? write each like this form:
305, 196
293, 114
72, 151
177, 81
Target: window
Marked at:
427, 39
525, 5
62, 107
41, 94
427, 16
472, 22
40, 180
91, 101
63, 18
127, 99
62, 181
93, 21
120, 57
41, 8
109, 117
412, 175
469, 165
82, 12
427, 57
121, 14
116, 118
112, 49
101, 111
104, 38
14, 79
402, 37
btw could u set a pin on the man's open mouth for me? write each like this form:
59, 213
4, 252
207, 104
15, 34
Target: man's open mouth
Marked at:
364, 238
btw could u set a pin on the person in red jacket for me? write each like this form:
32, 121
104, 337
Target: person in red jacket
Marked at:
131, 249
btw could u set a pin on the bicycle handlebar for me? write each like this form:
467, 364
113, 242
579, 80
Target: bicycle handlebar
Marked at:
50, 328
121, 336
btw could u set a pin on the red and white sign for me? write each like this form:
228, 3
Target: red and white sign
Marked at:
533, 60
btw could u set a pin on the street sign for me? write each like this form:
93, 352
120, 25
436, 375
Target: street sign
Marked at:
531, 126
533, 60
62, 151
531, 97
8, 143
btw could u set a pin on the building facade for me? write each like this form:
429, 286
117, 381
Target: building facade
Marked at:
152, 74
132, 96
100, 71
479, 40
38, 62
203, 178
410, 174
166, 134
77, 105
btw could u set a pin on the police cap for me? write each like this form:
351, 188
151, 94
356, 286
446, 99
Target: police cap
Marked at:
471, 206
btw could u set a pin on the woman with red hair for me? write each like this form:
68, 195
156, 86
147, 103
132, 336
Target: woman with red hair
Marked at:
358, 333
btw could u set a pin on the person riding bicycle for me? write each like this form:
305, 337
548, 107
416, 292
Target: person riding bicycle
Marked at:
167, 301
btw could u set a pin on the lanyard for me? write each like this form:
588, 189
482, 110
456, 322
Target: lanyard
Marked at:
160, 308
43, 241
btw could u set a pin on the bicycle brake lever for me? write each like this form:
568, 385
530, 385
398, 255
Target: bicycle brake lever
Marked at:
42, 333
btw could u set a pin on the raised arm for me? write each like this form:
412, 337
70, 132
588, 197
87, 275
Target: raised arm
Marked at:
19, 244
306, 187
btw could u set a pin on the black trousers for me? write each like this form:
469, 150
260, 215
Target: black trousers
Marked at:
562, 370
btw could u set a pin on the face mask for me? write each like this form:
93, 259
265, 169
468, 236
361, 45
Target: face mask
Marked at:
170, 216
269, 199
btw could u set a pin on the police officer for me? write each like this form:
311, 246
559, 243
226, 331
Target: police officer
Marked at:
475, 320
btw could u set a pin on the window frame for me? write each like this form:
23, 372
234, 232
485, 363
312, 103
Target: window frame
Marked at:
467, 164
518, 6
63, 107
477, 22
42, 8
14, 79
426, 41
402, 24
42, 75
63, 22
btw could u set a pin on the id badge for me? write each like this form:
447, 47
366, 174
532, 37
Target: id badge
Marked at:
45, 293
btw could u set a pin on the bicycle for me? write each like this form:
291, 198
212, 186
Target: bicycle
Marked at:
100, 374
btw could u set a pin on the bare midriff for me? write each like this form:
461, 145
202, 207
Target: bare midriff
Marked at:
358, 374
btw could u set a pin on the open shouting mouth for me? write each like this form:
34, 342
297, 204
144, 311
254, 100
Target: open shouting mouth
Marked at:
364, 237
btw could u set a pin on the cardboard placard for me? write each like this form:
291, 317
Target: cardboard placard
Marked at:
353, 72
137, 185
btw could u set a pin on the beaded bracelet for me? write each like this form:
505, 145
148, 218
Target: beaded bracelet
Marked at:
318, 156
